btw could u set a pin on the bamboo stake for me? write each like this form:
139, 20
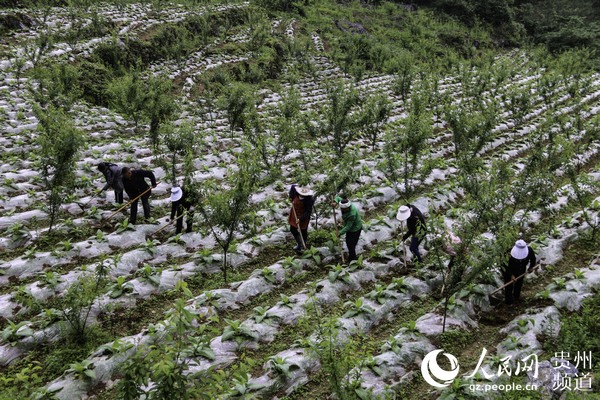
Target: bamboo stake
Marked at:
126, 205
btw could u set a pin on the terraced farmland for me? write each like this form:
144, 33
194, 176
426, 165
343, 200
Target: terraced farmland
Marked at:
241, 103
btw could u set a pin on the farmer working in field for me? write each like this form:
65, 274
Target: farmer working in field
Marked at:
352, 225
135, 184
181, 201
520, 256
302, 205
451, 244
114, 179
415, 221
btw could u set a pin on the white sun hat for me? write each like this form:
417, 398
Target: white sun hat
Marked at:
304, 191
519, 250
403, 213
176, 193
346, 204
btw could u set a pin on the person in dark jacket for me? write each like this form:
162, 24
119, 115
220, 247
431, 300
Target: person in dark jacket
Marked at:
114, 179
302, 205
415, 221
352, 226
520, 256
181, 201
134, 182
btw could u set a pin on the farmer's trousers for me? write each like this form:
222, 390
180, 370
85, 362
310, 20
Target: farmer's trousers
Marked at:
351, 242
296, 235
117, 185
414, 246
119, 196
134, 208
512, 292
189, 219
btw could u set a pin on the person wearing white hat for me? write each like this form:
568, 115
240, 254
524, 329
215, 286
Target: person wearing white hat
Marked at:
520, 255
299, 218
180, 202
352, 225
415, 222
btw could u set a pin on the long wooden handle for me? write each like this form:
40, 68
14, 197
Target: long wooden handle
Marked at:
337, 232
298, 224
89, 201
168, 223
513, 280
130, 201
403, 244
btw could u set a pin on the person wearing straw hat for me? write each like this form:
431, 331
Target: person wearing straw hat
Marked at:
520, 255
415, 222
181, 202
302, 205
352, 225
114, 179
134, 182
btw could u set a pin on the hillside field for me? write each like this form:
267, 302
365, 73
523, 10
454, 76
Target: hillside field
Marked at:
382, 102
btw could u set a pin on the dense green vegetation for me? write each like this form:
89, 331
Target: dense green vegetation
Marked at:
416, 46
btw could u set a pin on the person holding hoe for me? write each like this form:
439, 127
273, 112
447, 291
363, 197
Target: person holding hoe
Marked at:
134, 182
415, 221
520, 255
302, 205
181, 202
114, 179
352, 226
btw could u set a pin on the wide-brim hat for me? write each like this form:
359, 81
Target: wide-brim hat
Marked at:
403, 213
519, 250
176, 193
304, 191
346, 204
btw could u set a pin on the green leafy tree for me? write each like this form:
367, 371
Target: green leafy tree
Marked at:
223, 210
58, 84
374, 114
59, 146
272, 139
160, 105
128, 95
76, 304
404, 149
340, 118
237, 102
181, 143
342, 172
166, 361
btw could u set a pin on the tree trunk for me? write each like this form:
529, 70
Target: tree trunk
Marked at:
445, 312
225, 265
173, 167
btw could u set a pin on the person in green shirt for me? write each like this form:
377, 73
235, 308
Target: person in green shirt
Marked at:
352, 225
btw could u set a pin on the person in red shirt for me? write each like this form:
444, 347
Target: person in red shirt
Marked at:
302, 204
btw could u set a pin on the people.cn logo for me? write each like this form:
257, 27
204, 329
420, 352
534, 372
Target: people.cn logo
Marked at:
434, 375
